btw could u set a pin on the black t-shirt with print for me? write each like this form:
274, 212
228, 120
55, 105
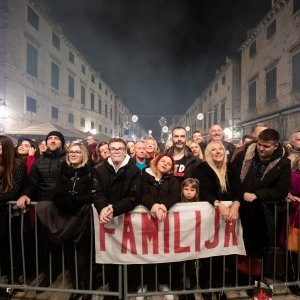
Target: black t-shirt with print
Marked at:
179, 169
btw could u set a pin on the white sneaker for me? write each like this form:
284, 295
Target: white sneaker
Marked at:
141, 290
165, 288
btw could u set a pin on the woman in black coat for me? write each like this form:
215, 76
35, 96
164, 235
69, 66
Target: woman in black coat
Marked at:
160, 191
216, 186
12, 179
71, 208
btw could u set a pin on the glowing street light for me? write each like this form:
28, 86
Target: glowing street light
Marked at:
187, 128
165, 129
200, 116
134, 118
150, 131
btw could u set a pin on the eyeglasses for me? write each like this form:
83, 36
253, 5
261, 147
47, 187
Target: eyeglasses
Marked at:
75, 152
114, 150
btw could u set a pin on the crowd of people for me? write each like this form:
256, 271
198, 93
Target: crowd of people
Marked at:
117, 176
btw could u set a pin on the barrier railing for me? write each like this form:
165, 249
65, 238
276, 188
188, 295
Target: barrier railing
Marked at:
30, 263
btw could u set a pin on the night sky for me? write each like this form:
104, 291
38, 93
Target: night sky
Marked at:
159, 55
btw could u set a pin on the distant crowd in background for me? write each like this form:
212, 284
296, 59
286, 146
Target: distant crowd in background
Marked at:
116, 176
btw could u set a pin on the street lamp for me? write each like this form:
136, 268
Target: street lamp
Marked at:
165, 129
200, 116
134, 118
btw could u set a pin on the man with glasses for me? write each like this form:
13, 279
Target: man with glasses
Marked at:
117, 184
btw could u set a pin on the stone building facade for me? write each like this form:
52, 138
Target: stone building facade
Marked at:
262, 85
219, 103
43, 77
270, 70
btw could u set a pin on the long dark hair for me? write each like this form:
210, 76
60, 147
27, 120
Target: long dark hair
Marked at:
7, 161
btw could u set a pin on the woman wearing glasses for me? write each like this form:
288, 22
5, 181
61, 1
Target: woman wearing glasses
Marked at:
67, 219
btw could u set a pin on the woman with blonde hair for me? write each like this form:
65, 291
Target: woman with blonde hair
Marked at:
195, 147
67, 220
151, 148
217, 185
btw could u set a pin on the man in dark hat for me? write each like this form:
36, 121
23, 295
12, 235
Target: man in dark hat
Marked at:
41, 183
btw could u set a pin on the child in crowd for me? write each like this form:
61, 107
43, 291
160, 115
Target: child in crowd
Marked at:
190, 190
189, 193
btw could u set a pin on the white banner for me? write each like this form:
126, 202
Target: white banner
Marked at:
190, 231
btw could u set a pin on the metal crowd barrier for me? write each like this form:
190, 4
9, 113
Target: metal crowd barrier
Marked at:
130, 278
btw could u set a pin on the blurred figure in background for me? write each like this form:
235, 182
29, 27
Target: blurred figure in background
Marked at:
216, 134
42, 147
294, 149
130, 148
198, 138
151, 148
196, 149
168, 145
101, 153
140, 156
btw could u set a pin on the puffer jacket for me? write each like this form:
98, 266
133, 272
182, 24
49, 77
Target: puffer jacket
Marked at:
42, 177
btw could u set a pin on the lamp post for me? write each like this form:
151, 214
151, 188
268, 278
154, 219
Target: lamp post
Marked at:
134, 120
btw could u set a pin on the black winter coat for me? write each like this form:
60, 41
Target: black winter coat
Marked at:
256, 216
210, 188
73, 187
42, 177
19, 178
166, 191
121, 189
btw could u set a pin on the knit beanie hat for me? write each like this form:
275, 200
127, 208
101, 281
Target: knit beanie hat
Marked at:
59, 135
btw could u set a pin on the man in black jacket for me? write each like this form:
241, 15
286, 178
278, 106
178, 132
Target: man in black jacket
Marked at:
42, 177
117, 183
186, 164
264, 172
40, 186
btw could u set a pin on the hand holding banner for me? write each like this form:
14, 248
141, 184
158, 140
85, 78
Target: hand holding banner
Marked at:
190, 231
